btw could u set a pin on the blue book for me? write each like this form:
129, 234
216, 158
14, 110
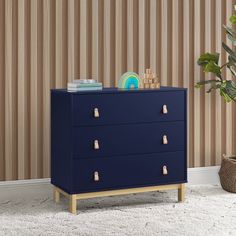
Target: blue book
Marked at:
82, 85
84, 89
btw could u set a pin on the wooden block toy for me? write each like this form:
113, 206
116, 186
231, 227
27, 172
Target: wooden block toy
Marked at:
150, 80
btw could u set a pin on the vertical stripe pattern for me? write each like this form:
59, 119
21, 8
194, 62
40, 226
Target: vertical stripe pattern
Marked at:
44, 44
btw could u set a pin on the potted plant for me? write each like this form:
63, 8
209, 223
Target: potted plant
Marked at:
227, 89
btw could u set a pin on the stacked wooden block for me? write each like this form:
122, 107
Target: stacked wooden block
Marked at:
150, 80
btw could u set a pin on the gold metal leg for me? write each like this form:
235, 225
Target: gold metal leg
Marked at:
181, 193
73, 204
56, 195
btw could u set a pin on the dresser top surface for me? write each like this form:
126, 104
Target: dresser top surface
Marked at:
117, 90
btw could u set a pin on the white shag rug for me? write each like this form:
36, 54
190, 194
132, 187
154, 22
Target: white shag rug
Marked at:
208, 210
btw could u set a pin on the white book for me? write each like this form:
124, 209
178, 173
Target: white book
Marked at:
72, 85
84, 81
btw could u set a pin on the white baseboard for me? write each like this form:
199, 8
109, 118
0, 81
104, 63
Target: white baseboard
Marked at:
203, 175
199, 175
13, 183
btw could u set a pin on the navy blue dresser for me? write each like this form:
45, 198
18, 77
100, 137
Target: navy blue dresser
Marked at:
113, 142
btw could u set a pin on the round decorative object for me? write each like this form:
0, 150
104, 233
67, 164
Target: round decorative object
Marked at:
129, 80
227, 174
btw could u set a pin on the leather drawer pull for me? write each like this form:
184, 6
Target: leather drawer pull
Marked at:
164, 170
96, 144
96, 176
164, 109
164, 139
96, 113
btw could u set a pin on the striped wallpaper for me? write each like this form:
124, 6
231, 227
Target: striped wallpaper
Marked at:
45, 43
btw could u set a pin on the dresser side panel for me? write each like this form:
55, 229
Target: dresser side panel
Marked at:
61, 140
186, 132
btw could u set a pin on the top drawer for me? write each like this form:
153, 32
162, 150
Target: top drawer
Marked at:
121, 108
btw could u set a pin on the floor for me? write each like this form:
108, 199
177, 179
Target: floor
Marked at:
30, 210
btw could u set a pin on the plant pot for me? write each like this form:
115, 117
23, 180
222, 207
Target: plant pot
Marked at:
227, 173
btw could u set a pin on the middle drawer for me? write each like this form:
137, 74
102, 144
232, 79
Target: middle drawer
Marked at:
128, 139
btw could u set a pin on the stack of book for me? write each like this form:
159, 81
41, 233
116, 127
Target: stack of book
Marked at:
84, 85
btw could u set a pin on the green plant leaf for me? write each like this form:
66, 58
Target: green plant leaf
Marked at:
224, 94
228, 90
205, 58
231, 89
229, 50
213, 68
233, 19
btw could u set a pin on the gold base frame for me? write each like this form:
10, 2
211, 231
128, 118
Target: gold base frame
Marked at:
74, 197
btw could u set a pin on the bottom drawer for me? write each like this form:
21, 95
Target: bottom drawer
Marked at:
128, 171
